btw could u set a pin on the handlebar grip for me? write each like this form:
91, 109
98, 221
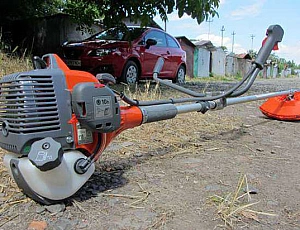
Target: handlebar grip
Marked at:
275, 34
38, 63
159, 65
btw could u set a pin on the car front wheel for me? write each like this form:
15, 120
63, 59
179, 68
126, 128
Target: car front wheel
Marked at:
130, 73
180, 76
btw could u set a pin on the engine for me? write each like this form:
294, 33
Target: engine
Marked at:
51, 120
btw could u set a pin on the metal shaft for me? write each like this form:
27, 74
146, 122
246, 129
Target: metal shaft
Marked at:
238, 100
163, 112
194, 107
232, 101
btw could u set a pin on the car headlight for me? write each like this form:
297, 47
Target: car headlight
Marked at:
102, 52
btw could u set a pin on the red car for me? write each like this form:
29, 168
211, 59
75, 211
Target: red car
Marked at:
128, 54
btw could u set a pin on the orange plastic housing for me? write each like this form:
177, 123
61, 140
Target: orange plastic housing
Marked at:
131, 116
282, 107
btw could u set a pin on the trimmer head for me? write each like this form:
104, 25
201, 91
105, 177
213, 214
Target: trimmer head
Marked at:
286, 107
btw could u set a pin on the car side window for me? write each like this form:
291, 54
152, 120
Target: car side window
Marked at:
171, 42
158, 36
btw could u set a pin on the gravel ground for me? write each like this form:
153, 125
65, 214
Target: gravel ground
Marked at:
179, 174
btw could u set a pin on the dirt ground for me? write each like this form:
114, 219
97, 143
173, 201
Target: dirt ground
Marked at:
182, 174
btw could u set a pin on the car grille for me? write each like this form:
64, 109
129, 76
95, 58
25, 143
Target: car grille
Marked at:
72, 54
28, 105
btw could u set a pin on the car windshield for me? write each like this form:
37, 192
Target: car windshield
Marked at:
119, 34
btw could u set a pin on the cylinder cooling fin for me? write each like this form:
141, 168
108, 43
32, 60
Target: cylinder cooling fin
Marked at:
30, 109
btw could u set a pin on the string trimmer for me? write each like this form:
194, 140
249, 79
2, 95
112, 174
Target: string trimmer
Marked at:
56, 122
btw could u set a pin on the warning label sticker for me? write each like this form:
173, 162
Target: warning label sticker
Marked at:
102, 107
84, 136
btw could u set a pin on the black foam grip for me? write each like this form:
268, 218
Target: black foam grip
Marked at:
275, 34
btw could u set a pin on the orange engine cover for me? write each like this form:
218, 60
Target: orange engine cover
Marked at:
284, 107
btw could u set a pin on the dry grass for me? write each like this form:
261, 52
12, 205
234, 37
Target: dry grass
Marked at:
8, 188
10, 193
237, 207
138, 199
10, 64
184, 133
187, 133
147, 91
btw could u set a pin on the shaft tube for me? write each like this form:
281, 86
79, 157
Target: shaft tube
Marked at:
168, 111
196, 107
158, 112
238, 100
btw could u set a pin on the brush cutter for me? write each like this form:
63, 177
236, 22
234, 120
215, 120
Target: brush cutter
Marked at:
56, 122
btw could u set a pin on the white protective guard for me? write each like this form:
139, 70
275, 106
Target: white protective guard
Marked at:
55, 184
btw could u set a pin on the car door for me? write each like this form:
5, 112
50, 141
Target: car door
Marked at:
151, 54
176, 54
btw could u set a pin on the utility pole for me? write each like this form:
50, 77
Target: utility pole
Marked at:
165, 20
233, 34
210, 20
222, 31
252, 37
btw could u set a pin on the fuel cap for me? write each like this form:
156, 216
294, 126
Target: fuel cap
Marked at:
46, 154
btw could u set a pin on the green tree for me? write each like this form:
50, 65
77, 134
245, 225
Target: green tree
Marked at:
21, 9
112, 12
252, 53
224, 48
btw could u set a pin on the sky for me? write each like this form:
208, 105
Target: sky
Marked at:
249, 21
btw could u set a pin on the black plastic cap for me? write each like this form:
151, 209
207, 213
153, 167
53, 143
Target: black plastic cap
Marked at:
46, 154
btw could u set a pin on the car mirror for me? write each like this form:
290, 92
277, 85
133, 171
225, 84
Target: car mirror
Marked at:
150, 42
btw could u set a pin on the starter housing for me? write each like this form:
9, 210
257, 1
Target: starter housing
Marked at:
96, 107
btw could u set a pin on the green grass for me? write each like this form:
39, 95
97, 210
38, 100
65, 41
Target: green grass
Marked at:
214, 78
